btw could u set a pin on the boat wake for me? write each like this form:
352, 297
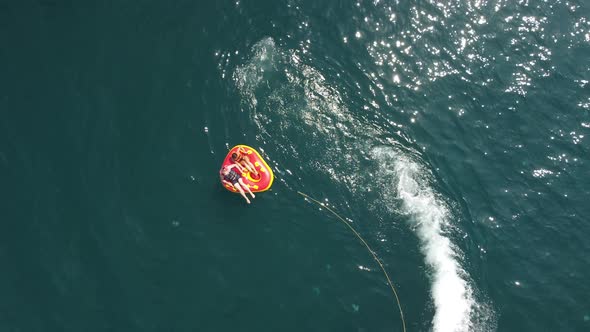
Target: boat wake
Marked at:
431, 220
292, 102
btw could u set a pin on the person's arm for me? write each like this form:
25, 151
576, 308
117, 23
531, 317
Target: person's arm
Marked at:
224, 181
240, 167
221, 177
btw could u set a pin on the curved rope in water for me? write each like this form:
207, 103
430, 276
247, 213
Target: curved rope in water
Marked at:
370, 250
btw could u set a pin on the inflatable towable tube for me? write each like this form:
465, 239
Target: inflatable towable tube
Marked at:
256, 184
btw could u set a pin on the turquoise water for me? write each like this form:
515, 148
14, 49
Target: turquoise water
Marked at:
453, 135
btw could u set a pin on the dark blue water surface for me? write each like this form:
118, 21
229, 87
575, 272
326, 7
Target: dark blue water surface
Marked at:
453, 135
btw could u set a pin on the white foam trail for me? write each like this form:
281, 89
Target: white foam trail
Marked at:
248, 77
452, 295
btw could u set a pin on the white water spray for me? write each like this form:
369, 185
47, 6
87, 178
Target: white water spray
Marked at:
430, 218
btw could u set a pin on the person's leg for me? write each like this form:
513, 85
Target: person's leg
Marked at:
249, 165
247, 188
237, 186
252, 168
244, 164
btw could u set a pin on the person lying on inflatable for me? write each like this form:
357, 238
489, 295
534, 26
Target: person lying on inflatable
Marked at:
240, 157
229, 175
